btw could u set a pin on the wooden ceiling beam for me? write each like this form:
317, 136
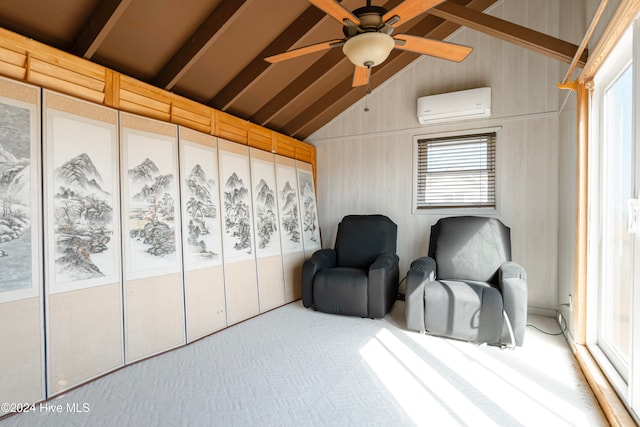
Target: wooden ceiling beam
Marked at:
510, 32
197, 43
252, 71
296, 88
98, 26
308, 121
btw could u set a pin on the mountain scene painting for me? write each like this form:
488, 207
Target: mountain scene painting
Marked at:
201, 212
15, 198
82, 197
151, 203
152, 210
237, 219
289, 216
266, 218
310, 229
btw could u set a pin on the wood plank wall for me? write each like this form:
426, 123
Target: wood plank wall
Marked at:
365, 159
24, 59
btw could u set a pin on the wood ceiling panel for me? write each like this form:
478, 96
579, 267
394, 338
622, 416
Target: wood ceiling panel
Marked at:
297, 30
97, 26
54, 22
342, 71
149, 32
276, 77
241, 41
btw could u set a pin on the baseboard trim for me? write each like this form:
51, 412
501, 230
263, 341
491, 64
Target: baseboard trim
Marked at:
538, 311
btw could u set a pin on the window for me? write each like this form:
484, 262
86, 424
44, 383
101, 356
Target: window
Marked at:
613, 270
456, 172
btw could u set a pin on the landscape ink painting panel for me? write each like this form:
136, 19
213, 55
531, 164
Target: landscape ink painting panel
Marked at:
289, 209
82, 202
200, 206
19, 192
235, 182
151, 204
309, 211
265, 208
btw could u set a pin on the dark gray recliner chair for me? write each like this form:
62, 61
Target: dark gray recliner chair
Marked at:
468, 288
359, 277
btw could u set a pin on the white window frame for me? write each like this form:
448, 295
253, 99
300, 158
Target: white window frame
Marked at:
629, 390
456, 210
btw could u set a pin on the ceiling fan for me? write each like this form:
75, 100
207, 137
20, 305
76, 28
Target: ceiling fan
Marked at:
368, 41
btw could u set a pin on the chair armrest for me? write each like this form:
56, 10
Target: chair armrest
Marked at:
384, 261
421, 271
512, 269
323, 258
382, 290
512, 284
426, 265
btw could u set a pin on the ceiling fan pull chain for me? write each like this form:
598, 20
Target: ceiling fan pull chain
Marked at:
367, 93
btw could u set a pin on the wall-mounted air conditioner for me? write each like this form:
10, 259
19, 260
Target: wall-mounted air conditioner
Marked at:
461, 105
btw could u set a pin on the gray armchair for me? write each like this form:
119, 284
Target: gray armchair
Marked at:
359, 277
468, 288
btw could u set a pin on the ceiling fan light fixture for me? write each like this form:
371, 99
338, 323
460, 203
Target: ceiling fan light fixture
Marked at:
368, 49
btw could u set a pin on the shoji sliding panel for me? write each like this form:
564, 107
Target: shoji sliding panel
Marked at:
21, 318
267, 230
202, 238
308, 209
290, 227
82, 235
154, 301
238, 245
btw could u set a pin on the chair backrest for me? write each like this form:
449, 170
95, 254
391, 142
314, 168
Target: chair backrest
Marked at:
469, 247
362, 238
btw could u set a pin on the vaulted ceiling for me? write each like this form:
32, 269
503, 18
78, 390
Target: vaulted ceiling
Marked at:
212, 51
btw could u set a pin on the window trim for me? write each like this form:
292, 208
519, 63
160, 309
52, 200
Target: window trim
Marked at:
489, 210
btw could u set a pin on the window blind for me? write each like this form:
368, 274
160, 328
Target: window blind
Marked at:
457, 172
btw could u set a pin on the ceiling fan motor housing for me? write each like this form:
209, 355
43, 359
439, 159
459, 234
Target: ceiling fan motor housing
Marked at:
370, 20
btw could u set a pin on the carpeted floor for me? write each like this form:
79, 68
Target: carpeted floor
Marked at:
293, 366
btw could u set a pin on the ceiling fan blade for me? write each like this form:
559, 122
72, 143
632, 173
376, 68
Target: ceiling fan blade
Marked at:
409, 9
336, 11
304, 51
361, 76
437, 48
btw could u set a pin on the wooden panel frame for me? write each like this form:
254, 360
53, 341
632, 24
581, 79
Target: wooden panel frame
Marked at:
311, 239
292, 246
84, 311
267, 228
153, 293
205, 308
240, 277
